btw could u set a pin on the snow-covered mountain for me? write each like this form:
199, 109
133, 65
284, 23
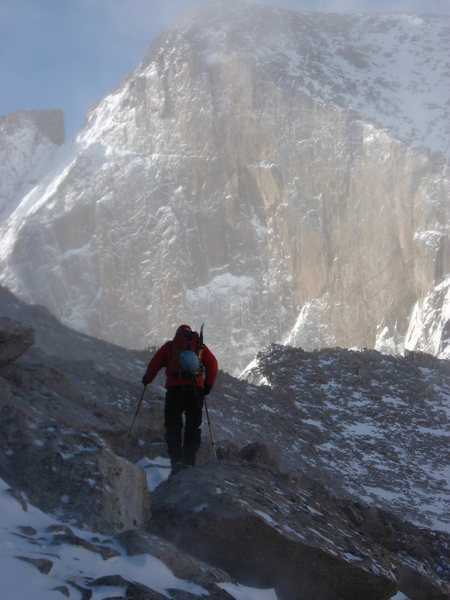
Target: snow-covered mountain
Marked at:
279, 175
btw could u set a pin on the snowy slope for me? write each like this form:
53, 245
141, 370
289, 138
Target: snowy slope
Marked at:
28, 140
429, 321
393, 69
34, 564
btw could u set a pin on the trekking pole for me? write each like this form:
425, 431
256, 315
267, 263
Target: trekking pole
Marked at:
137, 410
210, 432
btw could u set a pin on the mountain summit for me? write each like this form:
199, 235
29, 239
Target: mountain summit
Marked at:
278, 175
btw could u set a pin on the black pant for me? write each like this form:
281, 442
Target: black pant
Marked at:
187, 400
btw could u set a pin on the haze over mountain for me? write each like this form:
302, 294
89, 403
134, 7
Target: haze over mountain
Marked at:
279, 175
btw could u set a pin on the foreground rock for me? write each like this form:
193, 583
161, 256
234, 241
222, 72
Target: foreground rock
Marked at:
79, 564
271, 530
266, 531
15, 339
50, 450
181, 564
69, 473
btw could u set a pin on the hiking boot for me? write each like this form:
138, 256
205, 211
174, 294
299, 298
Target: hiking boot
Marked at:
177, 467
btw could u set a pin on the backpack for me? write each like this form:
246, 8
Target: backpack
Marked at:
184, 360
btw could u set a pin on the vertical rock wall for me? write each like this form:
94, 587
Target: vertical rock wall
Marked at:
209, 188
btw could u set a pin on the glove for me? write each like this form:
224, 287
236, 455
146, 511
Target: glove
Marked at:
206, 389
144, 381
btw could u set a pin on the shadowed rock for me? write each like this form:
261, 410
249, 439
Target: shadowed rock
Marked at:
43, 565
49, 451
15, 339
269, 529
181, 563
266, 530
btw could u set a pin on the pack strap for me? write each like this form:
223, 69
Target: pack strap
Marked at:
200, 350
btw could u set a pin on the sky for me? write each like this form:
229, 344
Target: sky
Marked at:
70, 53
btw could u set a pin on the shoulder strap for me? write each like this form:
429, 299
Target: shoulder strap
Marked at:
200, 346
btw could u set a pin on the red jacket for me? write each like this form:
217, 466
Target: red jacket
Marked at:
162, 359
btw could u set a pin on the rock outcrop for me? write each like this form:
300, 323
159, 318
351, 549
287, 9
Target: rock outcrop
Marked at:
49, 447
271, 530
359, 420
258, 527
15, 339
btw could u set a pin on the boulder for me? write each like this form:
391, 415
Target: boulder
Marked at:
15, 339
180, 563
267, 530
270, 529
50, 449
420, 555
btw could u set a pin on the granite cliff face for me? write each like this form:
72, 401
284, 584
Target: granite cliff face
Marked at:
262, 171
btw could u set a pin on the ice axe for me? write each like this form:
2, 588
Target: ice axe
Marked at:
137, 410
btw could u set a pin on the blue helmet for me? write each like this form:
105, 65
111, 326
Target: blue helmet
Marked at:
188, 363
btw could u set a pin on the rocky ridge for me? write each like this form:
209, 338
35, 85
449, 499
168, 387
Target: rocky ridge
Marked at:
246, 517
379, 421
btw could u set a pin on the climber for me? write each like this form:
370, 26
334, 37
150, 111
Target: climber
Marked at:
191, 370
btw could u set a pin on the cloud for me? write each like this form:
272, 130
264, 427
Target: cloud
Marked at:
352, 6
70, 53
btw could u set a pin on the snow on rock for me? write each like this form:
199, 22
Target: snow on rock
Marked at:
387, 67
28, 140
263, 527
429, 329
364, 423
42, 557
277, 175
286, 532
